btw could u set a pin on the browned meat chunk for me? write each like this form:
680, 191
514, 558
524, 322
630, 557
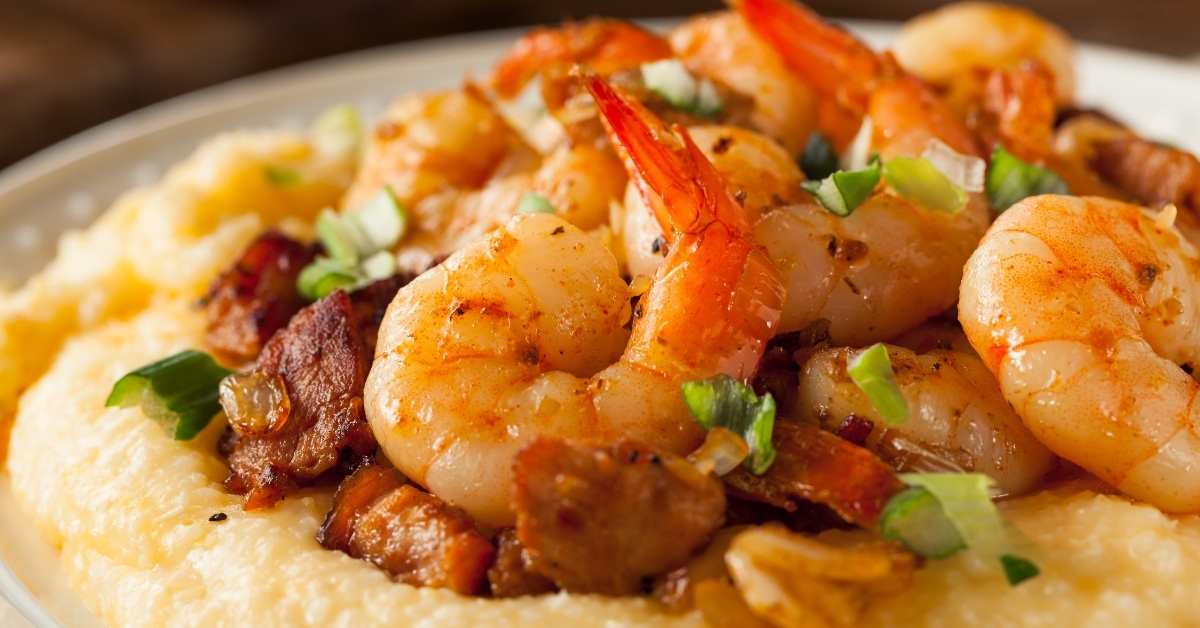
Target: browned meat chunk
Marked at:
322, 356
511, 574
1149, 172
412, 535
814, 465
610, 519
255, 297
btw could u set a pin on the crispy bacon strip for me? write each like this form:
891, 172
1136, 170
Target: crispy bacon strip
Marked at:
610, 519
814, 465
322, 356
511, 574
414, 536
255, 297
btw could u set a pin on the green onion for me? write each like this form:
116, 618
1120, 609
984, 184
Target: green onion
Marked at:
724, 402
378, 223
920, 183
1011, 180
339, 241
818, 161
323, 276
965, 501
534, 203
338, 130
282, 177
178, 392
671, 80
379, 266
871, 371
1017, 569
915, 518
842, 192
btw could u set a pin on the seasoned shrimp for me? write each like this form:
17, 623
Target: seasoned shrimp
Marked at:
460, 170
722, 47
958, 419
947, 45
1085, 309
514, 337
890, 265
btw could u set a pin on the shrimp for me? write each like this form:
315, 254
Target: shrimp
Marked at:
722, 47
958, 419
460, 170
514, 337
946, 46
1084, 309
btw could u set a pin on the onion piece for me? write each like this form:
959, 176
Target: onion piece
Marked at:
256, 403
721, 452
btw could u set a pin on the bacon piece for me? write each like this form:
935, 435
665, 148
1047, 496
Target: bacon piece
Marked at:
322, 356
414, 536
610, 519
255, 297
1149, 172
511, 574
814, 465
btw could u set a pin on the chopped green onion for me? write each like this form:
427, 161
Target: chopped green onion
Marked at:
178, 392
281, 176
818, 161
671, 80
338, 130
534, 203
871, 371
858, 154
966, 171
920, 183
724, 402
842, 192
320, 278
1017, 569
965, 501
915, 518
379, 266
1011, 180
340, 242
380, 222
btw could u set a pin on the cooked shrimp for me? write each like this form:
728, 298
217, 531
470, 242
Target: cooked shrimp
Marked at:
946, 45
460, 170
722, 47
515, 336
877, 272
958, 419
1085, 308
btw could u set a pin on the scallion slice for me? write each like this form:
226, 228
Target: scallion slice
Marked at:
340, 242
724, 402
379, 223
282, 177
966, 503
534, 203
671, 80
178, 392
842, 192
871, 370
323, 276
339, 130
1011, 180
379, 266
915, 518
818, 161
966, 171
920, 183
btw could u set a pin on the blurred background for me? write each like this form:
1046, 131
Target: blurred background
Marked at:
67, 65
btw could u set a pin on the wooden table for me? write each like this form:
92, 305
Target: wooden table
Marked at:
66, 65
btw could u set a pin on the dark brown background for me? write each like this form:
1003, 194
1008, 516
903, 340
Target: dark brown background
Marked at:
66, 65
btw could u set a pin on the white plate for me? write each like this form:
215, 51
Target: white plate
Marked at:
65, 186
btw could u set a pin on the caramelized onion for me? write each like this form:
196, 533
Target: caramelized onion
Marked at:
256, 403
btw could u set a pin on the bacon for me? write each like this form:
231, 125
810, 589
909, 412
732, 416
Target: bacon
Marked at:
511, 575
1149, 172
611, 519
814, 465
412, 535
322, 356
255, 297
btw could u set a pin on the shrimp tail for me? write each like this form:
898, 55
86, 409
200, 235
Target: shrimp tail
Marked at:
666, 166
718, 297
606, 45
826, 56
